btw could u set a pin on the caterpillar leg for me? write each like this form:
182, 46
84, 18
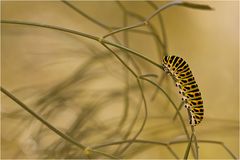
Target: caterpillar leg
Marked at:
188, 106
192, 120
178, 84
195, 118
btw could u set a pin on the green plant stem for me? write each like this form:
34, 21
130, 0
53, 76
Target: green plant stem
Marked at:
173, 153
135, 53
125, 36
90, 18
84, 35
178, 110
175, 107
149, 75
137, 141
195, 154
164, 33
161, 8
124, 29
167, 5
195, 139
154, 94
142, 94
171, 101
58, 132
153, 30
131, 124
85, 15
188, 147
126, 89
145, 116
133, 73
145, 22
196, 146
154, 33
208, 141
41, 119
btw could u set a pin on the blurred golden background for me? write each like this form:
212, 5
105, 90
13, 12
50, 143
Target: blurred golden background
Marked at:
80, 88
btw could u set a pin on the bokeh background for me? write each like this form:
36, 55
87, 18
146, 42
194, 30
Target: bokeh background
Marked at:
81, 89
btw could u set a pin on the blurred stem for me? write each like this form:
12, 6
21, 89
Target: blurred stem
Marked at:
175, 107
133, 73
126, 89
124, 29
171, 101
126, 103
132, 124
164, 34
154, 94
137, 141
178, 110
193, 135
149, 75
125, 35
208, 141
64, 136
41, 119
172, 3
142, 94
154, 33
84, 35
86, 15
89, 18
195, 140
146, 21
196, 146
188, 147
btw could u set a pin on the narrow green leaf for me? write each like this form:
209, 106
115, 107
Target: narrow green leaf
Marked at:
196, 6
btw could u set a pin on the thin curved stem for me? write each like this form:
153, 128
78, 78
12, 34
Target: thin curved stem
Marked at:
145, 22
58, 132
160, 45
142, 94
175, 107
171, 101
125, 28
178, 110
84, 35
195, 141
85, 15
127, 141
196, 146
90, 18
7, 93
133, 73
163, 30
149, 75
176, 2
137, 141
190, 140
144, 120
188, 147
131, 125
207, 141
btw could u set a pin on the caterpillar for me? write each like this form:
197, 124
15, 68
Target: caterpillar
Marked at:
188, 88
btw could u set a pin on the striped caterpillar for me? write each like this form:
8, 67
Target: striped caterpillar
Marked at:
188, 88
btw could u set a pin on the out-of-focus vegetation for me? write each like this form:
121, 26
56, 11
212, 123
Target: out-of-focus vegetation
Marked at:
110, 95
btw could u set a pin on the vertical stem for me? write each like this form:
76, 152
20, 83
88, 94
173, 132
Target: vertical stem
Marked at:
188, 147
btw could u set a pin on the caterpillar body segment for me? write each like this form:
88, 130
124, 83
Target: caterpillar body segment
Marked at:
177, 68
